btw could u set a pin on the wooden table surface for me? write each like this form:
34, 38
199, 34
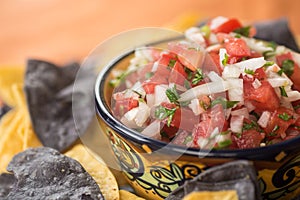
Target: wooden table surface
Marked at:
64, 30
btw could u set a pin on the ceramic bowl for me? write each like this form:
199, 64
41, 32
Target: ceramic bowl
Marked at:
154, 168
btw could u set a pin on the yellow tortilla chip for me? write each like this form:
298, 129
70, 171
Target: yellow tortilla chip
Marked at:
16, 133
97, 169
213, 195
125, 195
9, 76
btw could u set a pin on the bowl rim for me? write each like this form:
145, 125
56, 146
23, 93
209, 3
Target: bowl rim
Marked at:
103, 111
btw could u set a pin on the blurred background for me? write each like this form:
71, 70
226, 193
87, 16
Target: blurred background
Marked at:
61, 31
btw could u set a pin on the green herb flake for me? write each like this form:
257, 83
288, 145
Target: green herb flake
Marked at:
273, 45
287, 67
245, 31
171, 63
285, 116
225, 143
269, 54
205, 30
251, 126
225, 60
225, 104
149, 75
273, 133
268, 64
249, 71
187, 84
199, 76
162, 113
283, 92
172, 94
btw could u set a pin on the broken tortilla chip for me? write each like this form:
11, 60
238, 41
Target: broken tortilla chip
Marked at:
125, 195
16, 133
216, 195
10, 76
96, 167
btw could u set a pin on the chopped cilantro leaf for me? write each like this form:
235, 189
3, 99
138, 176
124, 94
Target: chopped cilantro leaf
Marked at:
225, 143
171, 63
245, 31
225, 60
162, 113
205, 30
268, 64
273, 45
172, 94
287, 67
285, 116
149, 75
274, 130
269, 54
225, 104
199, 76
283, 92
251, 126
249, 71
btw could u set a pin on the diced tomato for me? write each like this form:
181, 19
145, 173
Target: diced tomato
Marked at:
201, 130
160, 76
228, 26
277, 126
178, 74
122, 106
237, 47
217, 117
190, 57
183, 118
216, 59
167, 59
263, 97
296, 74
248, 139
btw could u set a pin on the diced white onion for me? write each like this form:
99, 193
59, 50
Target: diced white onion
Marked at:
222, 56
252, 64
231, 71
292, 96
214, 77
257, 46
155, 66
241, 112
195, 107
128, 118
236, 123
256, 83
264, 119
153, 130
150, 98
160, 94
217, 21
205, 89
137, 87
236, 91
144, 113
213, 47
249, 106
198, 38
280, 81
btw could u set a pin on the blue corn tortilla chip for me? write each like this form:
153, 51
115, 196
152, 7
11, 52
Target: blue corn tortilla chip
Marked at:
7, 182
44, 173
49, 89
3, 109
236, 175
277, 31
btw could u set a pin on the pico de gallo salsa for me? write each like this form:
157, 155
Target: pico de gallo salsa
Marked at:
218, 88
